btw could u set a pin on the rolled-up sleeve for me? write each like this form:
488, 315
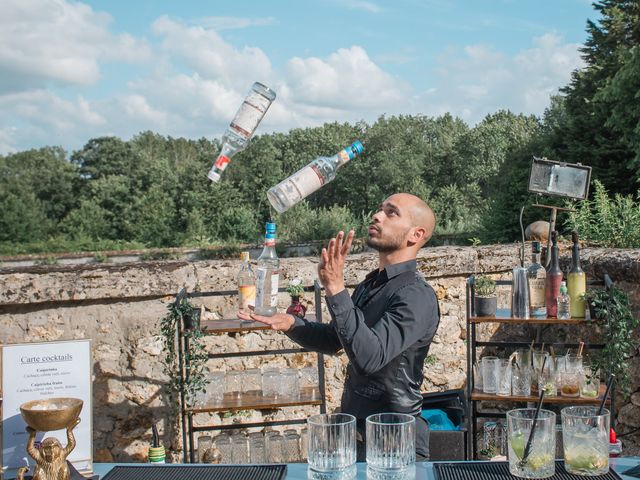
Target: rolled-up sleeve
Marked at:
412, 314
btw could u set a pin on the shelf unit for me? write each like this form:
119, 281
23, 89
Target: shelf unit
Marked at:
503, 316
253, 400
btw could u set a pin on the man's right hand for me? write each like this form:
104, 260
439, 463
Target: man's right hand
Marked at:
281, 322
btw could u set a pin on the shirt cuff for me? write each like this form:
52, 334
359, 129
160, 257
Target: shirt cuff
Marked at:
339, 303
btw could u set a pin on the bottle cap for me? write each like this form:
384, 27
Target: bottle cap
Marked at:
535, 246
213, 176
244, 256
357, 146
270, 227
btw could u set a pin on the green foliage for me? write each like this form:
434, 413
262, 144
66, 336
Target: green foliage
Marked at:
295, 288
181, 312
610, 222
302, 222
614, 316
484, 286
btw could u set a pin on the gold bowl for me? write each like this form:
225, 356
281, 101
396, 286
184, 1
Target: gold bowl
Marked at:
51, 414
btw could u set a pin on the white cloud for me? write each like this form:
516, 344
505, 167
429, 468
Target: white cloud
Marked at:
53, 40
232, 23
483, 80
345, 80
363, 5
207, 54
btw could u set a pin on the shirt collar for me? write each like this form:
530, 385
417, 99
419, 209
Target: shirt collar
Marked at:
393, 270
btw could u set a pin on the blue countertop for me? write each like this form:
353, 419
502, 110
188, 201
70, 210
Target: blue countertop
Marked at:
424, 471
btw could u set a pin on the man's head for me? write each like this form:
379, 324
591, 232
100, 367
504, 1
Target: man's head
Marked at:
403, 221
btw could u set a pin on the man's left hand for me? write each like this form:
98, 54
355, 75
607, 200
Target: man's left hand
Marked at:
281, 322
332, 259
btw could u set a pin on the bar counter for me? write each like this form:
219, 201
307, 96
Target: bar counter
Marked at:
424, 470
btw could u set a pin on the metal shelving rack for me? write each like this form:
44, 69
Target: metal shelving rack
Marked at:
503, 316
249, 400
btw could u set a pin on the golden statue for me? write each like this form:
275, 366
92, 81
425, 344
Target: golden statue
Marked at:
47, 416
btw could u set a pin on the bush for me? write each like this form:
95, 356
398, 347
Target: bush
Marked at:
303, 223
609, 222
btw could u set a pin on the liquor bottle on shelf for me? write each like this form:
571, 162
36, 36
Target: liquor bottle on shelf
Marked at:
310, 178
554, 278
268, 275
246, 284
537, 275
576, 281
240, 130
564, 303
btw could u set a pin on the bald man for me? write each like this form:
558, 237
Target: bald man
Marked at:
386, 326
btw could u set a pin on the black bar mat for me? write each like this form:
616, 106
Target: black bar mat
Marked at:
197, 472
500, 470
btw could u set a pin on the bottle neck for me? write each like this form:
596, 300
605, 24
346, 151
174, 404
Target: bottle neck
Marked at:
575, 260
555, 264
535, 258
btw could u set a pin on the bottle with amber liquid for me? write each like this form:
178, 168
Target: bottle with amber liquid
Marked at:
576, 281
536, 276
554, 279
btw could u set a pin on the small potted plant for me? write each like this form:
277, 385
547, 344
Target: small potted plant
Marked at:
485, 300
296, 290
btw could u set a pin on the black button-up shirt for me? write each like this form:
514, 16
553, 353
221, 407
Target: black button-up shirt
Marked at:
385, 328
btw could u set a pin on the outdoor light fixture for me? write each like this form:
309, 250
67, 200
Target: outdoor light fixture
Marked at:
557, 179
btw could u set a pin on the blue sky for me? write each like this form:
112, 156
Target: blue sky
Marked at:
71, 70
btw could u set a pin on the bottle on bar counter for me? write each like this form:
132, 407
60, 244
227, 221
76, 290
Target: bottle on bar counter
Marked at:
246, 284
537, 275
576, 281
554, 278
310, 178
564, 303
241, 129
268, 275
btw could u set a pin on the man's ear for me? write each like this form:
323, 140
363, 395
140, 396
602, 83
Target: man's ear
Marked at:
418, 235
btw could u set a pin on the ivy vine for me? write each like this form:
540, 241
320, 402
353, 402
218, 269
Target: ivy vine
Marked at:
182, 314
613, 314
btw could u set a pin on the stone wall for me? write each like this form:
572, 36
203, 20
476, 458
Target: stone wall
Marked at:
119, 306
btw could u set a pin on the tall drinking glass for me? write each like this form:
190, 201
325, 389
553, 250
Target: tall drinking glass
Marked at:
391, 446
540, 461
489, 367
504, 378
332, 446
585, 435
521, 380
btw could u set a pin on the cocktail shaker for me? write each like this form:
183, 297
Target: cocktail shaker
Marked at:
520, 293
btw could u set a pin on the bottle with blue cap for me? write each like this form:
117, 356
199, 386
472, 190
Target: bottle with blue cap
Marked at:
310, 178
268, 275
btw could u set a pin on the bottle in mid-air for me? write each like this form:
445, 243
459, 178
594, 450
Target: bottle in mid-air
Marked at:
310, 178
241, 129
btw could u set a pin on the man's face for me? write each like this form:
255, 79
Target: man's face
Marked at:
390, 225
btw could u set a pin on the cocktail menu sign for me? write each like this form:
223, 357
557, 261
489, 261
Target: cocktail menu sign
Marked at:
40, 371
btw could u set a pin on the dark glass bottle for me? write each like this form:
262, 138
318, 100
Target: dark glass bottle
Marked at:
554, 279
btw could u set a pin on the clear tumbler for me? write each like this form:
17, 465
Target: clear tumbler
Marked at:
391, 446
585, 435
332, 446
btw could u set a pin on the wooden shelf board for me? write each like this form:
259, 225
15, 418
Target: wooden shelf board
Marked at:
503, 315
231, 325
490, 397
254, 400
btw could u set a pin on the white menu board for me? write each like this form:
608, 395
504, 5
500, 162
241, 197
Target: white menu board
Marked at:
36, 371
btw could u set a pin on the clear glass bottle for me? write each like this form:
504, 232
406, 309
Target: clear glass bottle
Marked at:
536, 275
576, 281
307, 180
246, 284
268, 275
237, 136
554, 278
564, 303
